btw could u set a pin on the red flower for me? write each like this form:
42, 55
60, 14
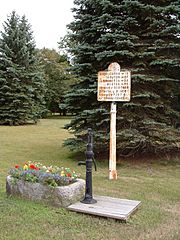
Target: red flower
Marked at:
16, 166
32, 166
68, 175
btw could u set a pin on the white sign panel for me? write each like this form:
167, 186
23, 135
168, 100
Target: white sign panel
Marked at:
114, 85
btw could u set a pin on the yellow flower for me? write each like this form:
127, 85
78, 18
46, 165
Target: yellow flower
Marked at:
25, 167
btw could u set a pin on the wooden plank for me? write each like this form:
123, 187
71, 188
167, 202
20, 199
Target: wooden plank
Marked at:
97, 207
100, 207
98, 212
117, 200
108, 207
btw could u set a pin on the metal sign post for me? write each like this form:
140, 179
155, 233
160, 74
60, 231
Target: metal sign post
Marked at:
114, 85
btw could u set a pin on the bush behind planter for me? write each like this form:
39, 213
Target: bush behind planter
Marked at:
61, 196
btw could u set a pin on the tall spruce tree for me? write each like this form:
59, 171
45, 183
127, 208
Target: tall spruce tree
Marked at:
142, 36
21, 80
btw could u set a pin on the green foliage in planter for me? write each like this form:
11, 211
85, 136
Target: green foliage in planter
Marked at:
37, 173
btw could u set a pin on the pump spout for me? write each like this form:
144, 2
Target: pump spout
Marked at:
81, 163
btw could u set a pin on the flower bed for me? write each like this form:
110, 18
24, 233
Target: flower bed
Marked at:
57, 186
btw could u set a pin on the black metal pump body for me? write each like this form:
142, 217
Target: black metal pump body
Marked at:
88, 199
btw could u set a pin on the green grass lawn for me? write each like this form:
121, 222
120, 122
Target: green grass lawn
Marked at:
156, 185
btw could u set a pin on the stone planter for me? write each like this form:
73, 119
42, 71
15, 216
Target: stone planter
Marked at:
62, 196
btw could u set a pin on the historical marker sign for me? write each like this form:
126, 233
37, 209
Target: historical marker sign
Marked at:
114, 85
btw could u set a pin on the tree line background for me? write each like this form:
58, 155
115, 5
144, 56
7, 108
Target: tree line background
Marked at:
141, 35
32, 81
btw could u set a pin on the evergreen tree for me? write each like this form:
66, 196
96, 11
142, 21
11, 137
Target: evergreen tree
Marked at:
21, 80
142, 36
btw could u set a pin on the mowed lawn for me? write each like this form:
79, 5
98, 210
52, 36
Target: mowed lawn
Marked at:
156, 184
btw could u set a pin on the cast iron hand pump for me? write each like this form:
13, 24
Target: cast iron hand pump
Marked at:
89, 160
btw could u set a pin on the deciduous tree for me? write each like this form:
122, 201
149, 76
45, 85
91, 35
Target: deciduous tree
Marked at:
58, 78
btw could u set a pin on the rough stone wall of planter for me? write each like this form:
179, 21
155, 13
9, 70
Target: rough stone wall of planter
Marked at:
62, 196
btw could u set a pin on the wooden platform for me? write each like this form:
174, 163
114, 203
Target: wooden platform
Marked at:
108, 207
